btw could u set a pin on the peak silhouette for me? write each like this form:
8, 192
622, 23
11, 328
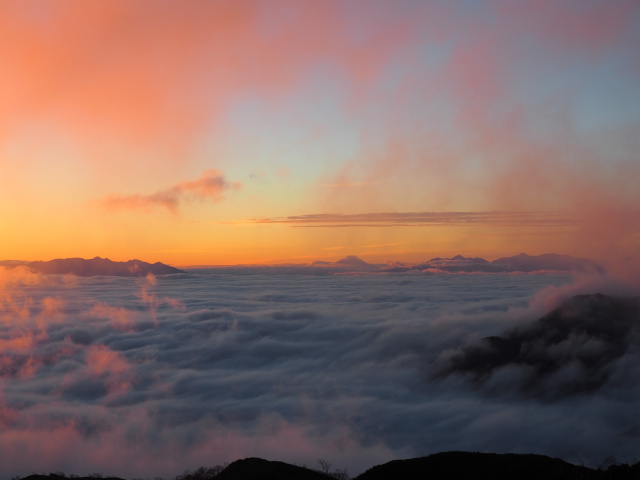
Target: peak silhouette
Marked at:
517, 263
353, 261
548, 261
101, 266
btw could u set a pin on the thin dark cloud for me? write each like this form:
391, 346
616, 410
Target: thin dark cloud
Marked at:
425, 219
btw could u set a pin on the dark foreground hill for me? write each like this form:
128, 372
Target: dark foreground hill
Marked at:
101, 266
439, 466
61, 476
259, 469
480, 466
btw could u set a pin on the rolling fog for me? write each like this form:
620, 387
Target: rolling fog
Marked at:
146, 377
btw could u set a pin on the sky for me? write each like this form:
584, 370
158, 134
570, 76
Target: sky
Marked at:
242, 131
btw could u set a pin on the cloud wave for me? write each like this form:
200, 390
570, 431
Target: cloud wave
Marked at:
149, 376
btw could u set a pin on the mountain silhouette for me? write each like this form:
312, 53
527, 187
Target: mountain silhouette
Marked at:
100, 266
480, 466
517, 263
438, 466
547, 261
62, 476
353, 261
259, 469
460, 264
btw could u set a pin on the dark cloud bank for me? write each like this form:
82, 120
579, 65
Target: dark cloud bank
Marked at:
570, 351
149, 376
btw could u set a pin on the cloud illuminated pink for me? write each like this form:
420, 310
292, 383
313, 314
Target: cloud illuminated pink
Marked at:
209, 187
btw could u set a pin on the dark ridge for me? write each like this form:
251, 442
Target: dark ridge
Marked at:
259, 469
517, 263
548, 261
101, 266
60, 476
12, 263
589, 331
480, 466
439, 466
460, 264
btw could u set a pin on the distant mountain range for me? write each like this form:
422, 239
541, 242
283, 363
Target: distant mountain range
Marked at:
547, 261
95, 267
135, 268
517, 263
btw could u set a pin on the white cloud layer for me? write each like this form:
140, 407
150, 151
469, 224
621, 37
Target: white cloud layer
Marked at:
149, 377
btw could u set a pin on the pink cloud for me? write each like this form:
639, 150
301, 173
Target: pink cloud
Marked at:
497, 128
103, 363
17, 352
100, 360
209, 187
158, 77
121, 318
127, 449
587, 27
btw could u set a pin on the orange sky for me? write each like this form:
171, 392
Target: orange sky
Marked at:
219, 132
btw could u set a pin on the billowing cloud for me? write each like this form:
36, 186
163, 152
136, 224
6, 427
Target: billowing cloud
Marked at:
575, 349
210, 186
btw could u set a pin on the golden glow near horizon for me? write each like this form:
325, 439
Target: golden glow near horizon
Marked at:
180, 132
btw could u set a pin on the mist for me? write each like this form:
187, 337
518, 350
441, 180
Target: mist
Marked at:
151, 376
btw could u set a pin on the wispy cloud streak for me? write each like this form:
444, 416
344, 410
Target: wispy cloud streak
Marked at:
424, 219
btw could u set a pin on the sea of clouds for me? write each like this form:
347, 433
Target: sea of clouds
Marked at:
148, 377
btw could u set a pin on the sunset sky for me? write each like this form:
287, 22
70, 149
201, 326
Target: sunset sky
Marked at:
221, 132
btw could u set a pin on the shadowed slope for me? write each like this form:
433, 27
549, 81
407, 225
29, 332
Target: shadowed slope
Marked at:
480, 466
547, 261
259, 469
57, 476
439, 466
